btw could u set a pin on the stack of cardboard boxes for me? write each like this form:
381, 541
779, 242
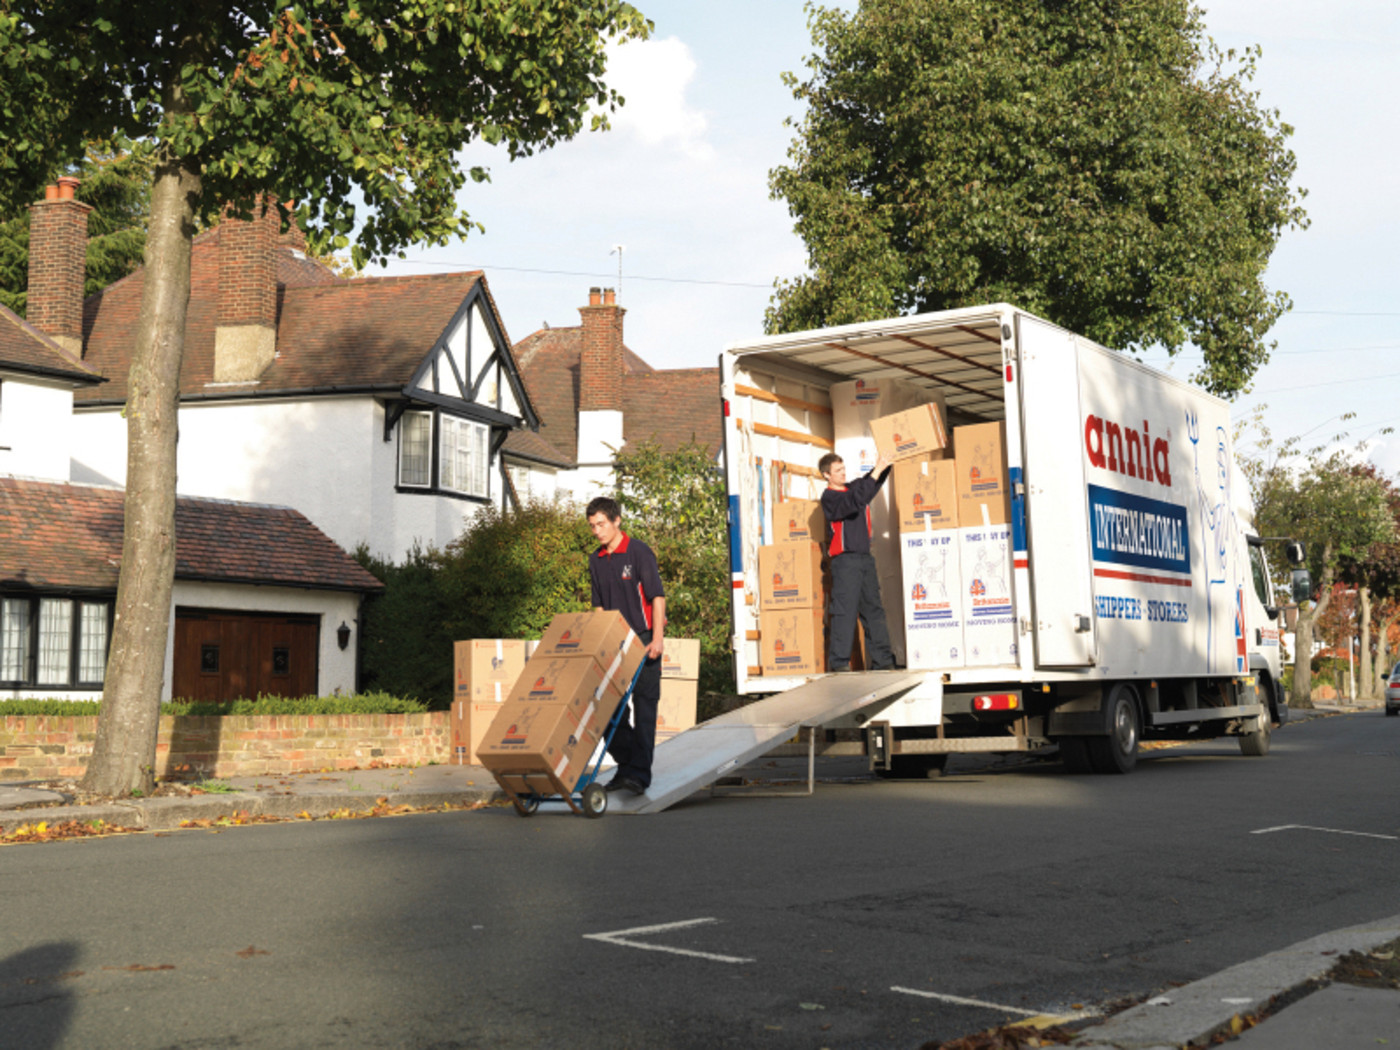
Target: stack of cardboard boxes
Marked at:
485, 672
956, 552
556, 715
680, 681
792, 608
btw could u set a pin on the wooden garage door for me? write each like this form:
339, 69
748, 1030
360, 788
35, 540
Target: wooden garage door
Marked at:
221, 656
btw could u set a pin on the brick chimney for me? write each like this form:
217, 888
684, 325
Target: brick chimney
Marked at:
245, 340
600, 385
600, 362
57, 261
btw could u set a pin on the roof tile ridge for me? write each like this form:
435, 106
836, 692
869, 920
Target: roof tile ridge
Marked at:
48, 342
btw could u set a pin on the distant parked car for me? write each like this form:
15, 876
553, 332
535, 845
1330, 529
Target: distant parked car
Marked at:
1392, 692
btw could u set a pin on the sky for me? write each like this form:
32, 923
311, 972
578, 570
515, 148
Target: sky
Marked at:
681, 183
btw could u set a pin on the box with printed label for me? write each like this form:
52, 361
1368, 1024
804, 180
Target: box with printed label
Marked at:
531, 737
680, 658
486, 669
933, 599
676, 711
989, 608
984, 495
790, 575
469, 722
799, 519
926, 494
562, 678
792, 642
913, 432
604, 636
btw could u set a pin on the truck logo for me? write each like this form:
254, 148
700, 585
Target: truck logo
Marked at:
1123, 450
918, 592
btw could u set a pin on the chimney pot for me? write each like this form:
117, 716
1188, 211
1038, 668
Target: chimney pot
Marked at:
67, 187
609, 297
51, 193
595, 296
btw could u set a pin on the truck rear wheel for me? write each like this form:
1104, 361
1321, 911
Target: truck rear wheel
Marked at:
1117, 752
1255, 743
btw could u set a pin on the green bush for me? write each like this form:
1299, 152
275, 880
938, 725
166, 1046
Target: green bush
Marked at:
357, 704
405, 645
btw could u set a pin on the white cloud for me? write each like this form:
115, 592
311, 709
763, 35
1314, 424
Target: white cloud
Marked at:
653, 76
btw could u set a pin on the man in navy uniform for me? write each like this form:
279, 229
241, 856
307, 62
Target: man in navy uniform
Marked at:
855, 583
625, 578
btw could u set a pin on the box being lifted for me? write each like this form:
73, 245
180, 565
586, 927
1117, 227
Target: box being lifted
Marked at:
914, 432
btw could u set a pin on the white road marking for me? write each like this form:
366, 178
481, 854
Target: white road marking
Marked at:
959, 1000
619, 937
1330, 831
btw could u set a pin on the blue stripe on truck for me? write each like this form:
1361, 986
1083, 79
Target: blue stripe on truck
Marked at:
1018, 511
736, 541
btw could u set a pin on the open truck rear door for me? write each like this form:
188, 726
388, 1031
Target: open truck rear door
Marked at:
1057, 514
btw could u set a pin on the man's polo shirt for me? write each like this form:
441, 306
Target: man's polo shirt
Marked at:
627, 580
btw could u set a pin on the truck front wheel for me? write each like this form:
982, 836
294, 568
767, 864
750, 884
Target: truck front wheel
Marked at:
1117, 752
1255, 743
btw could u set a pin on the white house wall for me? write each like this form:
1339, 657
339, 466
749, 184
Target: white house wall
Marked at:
325, 457
35, 428
335, 668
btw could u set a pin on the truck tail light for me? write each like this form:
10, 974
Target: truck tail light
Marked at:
996, 702
725, 403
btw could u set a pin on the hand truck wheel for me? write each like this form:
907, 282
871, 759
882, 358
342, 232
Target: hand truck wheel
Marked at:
595, 800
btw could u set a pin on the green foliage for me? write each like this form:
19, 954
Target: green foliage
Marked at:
510, 572
675, 501
324, 102
375, 703
405, 646
1098, 162
116, 181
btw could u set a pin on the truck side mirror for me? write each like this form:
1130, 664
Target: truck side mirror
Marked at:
1302, 585
1295, 552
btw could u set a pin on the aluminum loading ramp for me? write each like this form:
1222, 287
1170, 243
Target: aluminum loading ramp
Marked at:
696, 758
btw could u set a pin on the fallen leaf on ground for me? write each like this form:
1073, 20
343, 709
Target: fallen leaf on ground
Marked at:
250, 951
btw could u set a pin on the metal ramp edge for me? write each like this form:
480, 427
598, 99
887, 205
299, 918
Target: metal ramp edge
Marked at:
696, 758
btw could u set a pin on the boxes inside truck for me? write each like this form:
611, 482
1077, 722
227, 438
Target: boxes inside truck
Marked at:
791, 575
914, 432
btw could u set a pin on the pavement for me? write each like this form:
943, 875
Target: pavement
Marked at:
1314, 1013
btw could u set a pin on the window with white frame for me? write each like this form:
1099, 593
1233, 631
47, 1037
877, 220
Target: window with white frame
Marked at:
416, 449
53, 641
465, 454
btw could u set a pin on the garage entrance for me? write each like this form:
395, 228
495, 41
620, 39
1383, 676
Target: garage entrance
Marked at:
222, 656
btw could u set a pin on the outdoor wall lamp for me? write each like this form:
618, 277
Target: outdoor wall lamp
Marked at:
342, 634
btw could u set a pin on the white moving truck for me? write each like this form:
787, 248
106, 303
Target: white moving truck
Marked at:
1131, 595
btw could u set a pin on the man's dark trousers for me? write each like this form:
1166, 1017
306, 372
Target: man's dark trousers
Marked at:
855, 591
632, 745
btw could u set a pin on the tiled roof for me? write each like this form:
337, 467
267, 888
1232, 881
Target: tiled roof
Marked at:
332, 333
670, 406
26, 349
56, 535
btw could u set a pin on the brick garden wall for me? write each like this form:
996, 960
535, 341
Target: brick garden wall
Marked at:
40, 747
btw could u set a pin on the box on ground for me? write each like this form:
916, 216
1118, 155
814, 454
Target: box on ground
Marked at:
603, 636
913, 432
470, 720
486, 669
791, 641
798, 519
989, 624
984, 497
676, 711
680, 658
933, 599
539, 739
926, 493
790, 575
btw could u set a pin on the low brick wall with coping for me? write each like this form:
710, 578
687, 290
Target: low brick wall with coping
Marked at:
44, 747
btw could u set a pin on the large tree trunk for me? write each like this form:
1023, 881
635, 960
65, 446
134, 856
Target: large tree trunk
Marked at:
1301, 695
124, 754
1365, 684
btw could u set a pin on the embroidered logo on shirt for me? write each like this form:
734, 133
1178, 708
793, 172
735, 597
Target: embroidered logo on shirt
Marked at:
627, 571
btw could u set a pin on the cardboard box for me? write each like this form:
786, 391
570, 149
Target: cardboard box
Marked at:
799, 519
486, 669
680, 658
470, 721
676, 712
933, 599
913, 432
790, 576
792, 641
984, 496
604, 636
989, 609
926, 494
543, 739
563, 678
